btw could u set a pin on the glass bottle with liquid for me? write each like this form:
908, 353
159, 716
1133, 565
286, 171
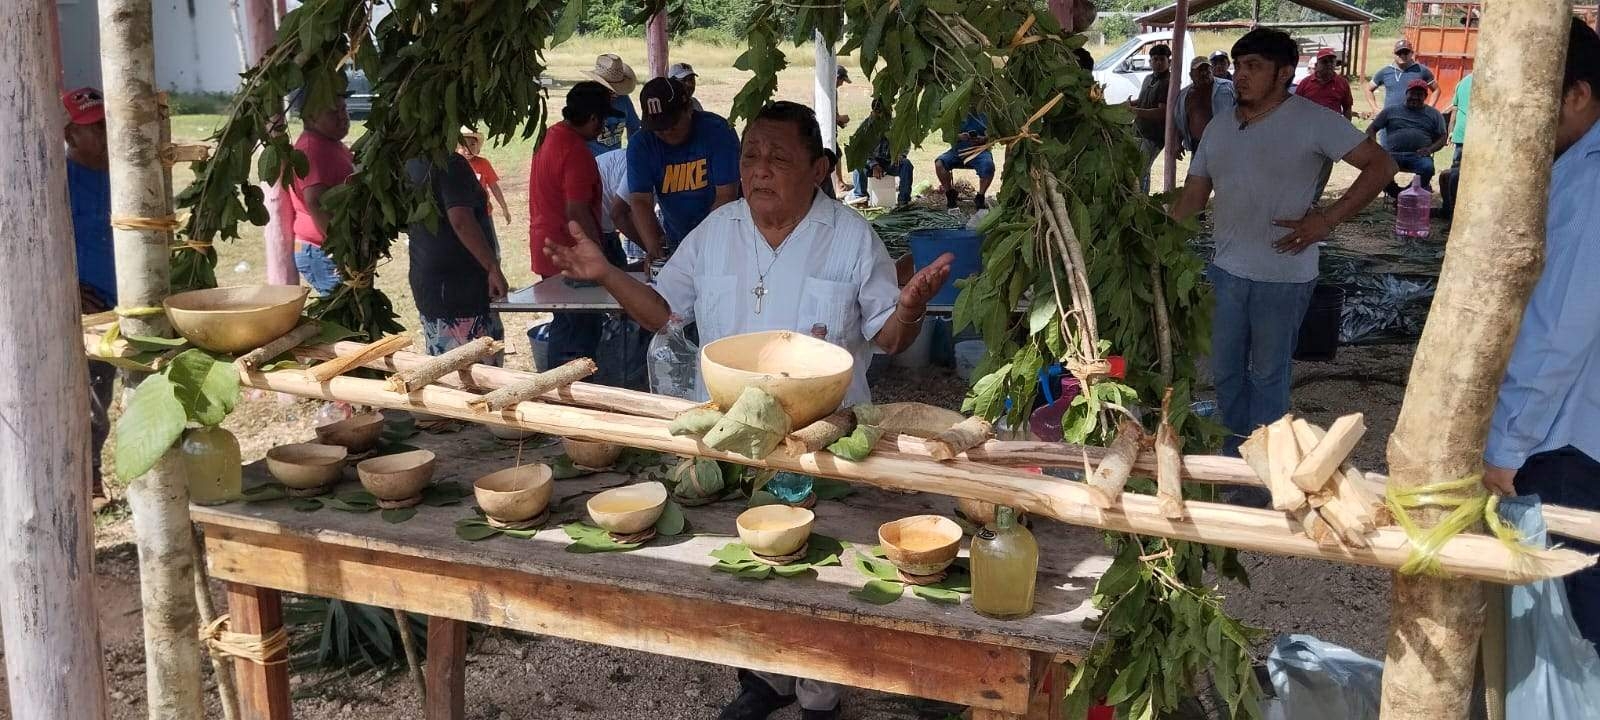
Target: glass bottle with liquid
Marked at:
211, 462
1005, 565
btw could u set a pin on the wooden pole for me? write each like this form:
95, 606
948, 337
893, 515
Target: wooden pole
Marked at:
160, 498
655, 44
51, 630
1490, 267
261, 29
1180, 70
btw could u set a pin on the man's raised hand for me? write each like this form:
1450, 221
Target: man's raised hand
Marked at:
583, 260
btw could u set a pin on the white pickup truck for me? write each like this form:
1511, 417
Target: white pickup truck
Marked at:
1124, 69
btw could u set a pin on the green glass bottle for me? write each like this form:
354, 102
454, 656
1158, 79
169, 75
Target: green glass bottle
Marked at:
1005, 565
211, 461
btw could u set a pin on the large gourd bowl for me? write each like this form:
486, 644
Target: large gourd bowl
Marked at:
394, 478
807, 376
515, 494
358, 433
629, 509
304, 466
920, 544
775, 530
235, 319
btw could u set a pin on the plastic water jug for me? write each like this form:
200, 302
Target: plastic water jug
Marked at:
1411, 211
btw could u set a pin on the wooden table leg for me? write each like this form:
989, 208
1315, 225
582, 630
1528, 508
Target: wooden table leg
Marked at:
1049, 680
447, 669
263, 689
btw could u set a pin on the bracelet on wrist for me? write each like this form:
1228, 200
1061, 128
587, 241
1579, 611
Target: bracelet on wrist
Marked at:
904, 321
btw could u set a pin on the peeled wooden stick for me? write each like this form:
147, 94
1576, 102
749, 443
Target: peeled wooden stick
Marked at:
288, 341
968, 433
535, 386
437, 367
1169, 466
1350, 489
1254, 452
1112, 475
1321, 462
342, 364
1283, 455
820, 434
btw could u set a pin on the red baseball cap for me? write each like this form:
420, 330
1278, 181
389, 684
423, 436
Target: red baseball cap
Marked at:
85, 106
1326, 52
1416, 83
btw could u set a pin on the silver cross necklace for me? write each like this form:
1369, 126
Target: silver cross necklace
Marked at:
760, 290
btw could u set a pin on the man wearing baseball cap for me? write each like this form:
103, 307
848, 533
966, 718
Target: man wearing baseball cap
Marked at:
1203, 98
1413, 132
1219, 65
610, 71
1396, 78
564, 186
1325, 86
684, 73
89, 193
687, 161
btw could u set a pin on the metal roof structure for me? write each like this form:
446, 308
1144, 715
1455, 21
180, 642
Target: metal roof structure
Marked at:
1341, 13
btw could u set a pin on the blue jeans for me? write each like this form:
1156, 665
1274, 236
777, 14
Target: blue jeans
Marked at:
1569, 478
902, 168
1253, 334
983, 163
1151, 149
1417, 163
316, 268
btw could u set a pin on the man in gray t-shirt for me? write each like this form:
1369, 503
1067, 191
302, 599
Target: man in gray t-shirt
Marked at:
1263, 162
1412, 133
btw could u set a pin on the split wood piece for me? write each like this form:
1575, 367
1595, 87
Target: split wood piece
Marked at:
1169, 472
1109, 479
409, 380
1469, 556
1254, 452
1283, 455
1355, 511
1319, 463
289, 341
968, 433
342, 364
537, 385
820, 434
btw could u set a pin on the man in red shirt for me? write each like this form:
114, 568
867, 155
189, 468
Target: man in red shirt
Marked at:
329, 164
564, 185
1326, 87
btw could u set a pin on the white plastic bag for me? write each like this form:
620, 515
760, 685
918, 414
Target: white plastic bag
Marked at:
1315, 680
1552, 673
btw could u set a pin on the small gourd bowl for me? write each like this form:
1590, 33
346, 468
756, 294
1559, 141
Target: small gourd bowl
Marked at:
236, 319
591, 455
775, 530
397, 477
306, 466
357, 433
510, 434
515, 494
807, 376
630, 509
920, 544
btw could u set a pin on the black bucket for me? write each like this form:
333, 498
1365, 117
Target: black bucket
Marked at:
1319, 331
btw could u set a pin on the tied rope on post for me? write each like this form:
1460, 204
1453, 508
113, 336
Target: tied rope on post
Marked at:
164, 223
265, 650
1466, 501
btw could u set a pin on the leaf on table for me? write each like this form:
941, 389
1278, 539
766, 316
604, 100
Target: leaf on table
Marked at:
476, 531
522, 534
398, 428
442, 494
151, 422
873, 568
936, 594
820, 547
398, 515
264, 493
733, 554
207, 388
388, 448
792, 570
695, 422
879, 592
827, 489
562, 468
306, 504
671, 522
759, 572
762, 497
752, 427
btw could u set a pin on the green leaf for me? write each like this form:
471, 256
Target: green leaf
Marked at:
856, 446
1130, 681
150, 423
1125, 570
936, 594
791, 570
873, 568
475, 532
442, 494
264, 493
331, 332
270, 166
207, 389
733, 554
570, 15
671, 522
398, 515
760, 572
762, 497
306, 504
752, 427
696, 422
879, 592
152, 343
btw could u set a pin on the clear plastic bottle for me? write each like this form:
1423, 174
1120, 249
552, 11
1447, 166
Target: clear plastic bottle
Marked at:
211, 462
1411, 211
1005, 566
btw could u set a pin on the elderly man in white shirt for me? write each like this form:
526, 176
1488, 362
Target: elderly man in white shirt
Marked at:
785, 257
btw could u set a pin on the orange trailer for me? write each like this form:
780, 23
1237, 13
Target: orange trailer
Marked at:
1444, 36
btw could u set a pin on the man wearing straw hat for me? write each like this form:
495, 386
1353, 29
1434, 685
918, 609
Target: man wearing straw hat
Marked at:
610, 71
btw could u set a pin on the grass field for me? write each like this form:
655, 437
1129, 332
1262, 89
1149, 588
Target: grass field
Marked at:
242, 261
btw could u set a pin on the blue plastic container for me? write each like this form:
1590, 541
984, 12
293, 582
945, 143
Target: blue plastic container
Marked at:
928, 245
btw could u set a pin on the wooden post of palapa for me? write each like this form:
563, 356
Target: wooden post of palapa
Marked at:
261, 30
160, 498
1491, 264
46, 535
